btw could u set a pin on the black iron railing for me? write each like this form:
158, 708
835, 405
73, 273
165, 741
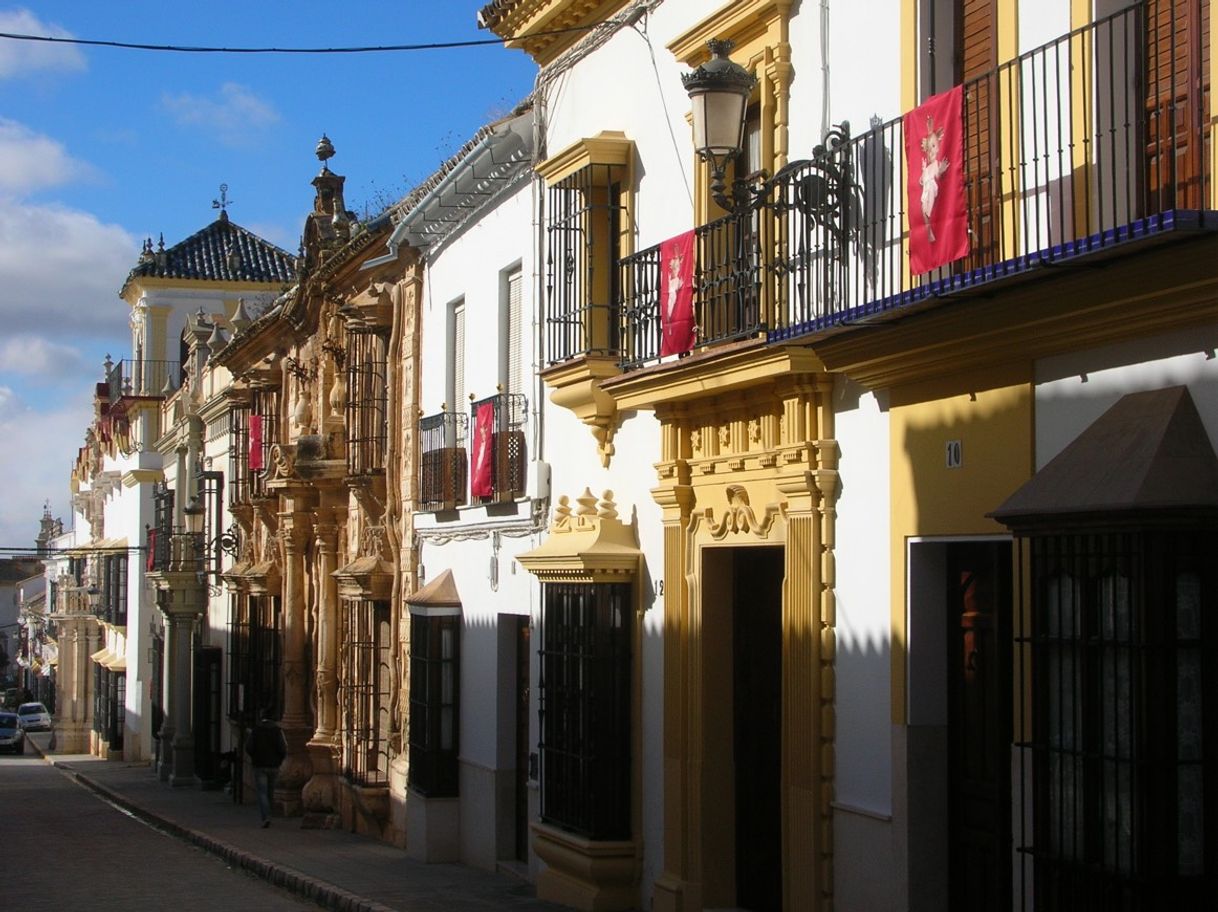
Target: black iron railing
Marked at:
501, 441
443, 464
367, 401
1089, 141
142, 378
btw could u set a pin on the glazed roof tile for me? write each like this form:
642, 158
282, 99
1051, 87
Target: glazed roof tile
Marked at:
205, 255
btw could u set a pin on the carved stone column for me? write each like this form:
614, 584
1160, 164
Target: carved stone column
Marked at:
296, 723
182, 599
320, 796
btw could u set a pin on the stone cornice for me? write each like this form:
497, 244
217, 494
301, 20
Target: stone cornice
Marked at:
609, 147
737, 21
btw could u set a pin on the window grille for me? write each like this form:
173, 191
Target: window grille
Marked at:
585, 708
583, 246
367, 401
444, 464
114, 589
265, 404
161, 534
239, 455
366, 688
502, 441
435, 647
1118, 789
255, 648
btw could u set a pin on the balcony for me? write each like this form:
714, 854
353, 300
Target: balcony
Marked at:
1081, 148
129, 378
443, 466
449, 477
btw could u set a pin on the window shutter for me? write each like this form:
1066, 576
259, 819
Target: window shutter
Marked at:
515, 334
459, 403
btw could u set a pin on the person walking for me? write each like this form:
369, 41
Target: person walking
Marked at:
266, 748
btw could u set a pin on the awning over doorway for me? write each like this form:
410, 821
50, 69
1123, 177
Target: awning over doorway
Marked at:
1148, 454
439, 598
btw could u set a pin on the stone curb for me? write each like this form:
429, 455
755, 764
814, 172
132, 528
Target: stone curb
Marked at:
313, 889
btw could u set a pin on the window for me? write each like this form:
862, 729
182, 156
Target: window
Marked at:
109, 705
114, 589
1121, 784
585, 708
456, 367
366, 691
239, 455
263, 434
511, 369
254, 657
434, 677
367, 401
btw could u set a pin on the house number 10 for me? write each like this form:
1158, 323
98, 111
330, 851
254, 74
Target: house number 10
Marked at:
955, 454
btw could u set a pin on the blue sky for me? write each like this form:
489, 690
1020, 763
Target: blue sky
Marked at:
101, 147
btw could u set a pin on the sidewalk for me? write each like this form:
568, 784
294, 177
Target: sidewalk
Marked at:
335, 869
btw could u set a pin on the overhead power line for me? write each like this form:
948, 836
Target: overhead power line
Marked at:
368, 49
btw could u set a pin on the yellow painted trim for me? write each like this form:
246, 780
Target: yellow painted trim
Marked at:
609, 147
720, 371
740, 21
142, 476
909, 56
994, 425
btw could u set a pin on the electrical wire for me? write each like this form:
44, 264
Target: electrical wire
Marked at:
367, 49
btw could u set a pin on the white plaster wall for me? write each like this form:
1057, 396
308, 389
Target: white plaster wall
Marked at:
1042, 21
1073, 390
864, 862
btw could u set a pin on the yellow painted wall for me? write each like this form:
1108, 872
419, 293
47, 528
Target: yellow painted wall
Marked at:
991, 415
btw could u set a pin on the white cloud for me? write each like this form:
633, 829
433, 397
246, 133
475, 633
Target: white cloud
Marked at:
37, 463
61, 270
235, 114
22, 58
37, 357
30, 161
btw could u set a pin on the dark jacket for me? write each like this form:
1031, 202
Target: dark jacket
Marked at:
266, 745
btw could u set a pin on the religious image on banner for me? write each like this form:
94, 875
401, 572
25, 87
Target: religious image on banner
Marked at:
482, 477
934, 157
677, 329
255, 443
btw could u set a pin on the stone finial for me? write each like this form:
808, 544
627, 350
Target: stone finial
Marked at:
587, 503
608, 509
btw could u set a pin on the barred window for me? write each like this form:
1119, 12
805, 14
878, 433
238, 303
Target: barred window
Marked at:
435, 646
1121, 786
443, 464
239, 454
367, 683
109, 705
499, 453
254, 657
585, 708
367, 401
114, 589
584, 239
264, 407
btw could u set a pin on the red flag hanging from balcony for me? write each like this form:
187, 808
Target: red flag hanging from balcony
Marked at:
934, 158
677, 330
255, 443
482, 476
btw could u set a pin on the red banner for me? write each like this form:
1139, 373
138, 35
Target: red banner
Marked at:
255, 443
677, 329
934, 157
482, 477
150, 561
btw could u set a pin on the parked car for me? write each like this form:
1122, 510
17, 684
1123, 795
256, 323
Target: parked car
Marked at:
12, 737
34, 717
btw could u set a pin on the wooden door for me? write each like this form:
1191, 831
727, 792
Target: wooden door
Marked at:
1177, 103
976, 65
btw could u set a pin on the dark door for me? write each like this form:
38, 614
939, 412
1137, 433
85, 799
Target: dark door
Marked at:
979, 725
207, 712
757, 729
522, 737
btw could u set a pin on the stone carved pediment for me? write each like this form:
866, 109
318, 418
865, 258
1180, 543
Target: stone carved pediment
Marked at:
739, 518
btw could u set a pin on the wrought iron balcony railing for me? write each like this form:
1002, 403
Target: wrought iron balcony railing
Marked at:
499, 443
443, 464
142, 378
176, 552
1092, 140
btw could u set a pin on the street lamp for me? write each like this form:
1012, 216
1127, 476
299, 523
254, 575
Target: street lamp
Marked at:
719, 92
